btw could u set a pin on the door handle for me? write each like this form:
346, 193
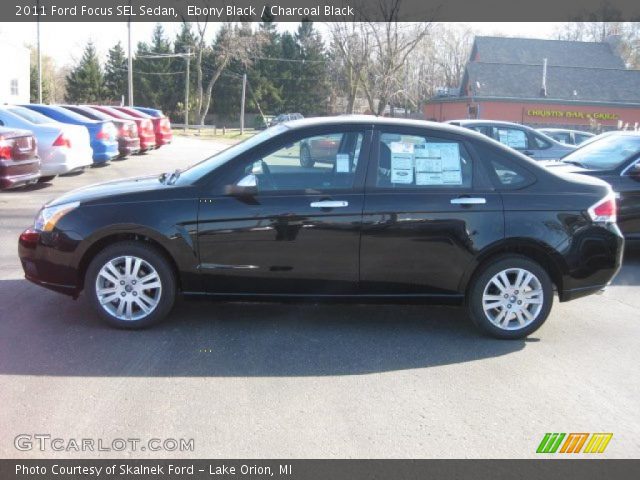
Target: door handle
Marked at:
468, 201
329, 204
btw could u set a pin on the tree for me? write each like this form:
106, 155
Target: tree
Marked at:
115, 75
153, 75
85, 82
350, 48
312, 92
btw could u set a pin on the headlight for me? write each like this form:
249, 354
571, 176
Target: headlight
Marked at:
49, 216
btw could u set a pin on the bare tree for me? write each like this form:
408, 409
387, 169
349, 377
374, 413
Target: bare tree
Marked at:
351, 47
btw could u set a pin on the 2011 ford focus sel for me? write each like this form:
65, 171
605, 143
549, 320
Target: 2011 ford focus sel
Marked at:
405, 210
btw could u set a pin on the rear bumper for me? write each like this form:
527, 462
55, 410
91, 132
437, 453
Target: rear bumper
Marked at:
128, 146
16, 174
147, 144
103, 153
163, 139
64, 160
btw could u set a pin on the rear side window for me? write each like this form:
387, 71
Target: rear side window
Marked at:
421, 162
505, 172
539, 142
512, 137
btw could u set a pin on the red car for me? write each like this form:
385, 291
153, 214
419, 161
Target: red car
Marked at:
161, 125
19, 162
145, 126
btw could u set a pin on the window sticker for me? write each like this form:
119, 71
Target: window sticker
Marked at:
512, 138
401, 162
342, 163
438, 164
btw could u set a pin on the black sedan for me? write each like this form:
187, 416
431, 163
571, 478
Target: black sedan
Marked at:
615, 158
406, 210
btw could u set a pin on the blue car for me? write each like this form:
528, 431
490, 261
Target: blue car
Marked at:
154, 112
103, 134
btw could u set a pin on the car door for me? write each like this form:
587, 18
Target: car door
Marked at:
297, 231
429, 209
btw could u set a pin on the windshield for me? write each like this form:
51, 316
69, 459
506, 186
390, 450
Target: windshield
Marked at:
30, 116
606, 153
204, 167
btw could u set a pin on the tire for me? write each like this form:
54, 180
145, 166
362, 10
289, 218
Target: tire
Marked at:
48, 178
505, 318
306, 160
151, 264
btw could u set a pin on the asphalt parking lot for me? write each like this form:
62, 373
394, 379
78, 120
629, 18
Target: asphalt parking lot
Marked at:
296, 380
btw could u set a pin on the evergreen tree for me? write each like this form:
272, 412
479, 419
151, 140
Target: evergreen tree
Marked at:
183, 43
312, 92
85, 82
153, 82
115, 76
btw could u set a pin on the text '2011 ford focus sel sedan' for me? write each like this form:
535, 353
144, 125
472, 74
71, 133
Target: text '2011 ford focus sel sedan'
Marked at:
405, 210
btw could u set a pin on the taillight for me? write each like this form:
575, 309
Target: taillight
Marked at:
62, 141
147, 126
107, 132
102, 135
29, 238
133, 130
165, 125
605, 210
6, 149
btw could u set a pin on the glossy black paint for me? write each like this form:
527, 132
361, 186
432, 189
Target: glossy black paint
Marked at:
383, 244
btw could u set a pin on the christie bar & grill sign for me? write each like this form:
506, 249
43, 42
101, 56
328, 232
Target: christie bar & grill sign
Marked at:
534, 112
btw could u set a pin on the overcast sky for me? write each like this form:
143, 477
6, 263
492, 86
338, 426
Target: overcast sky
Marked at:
65, 41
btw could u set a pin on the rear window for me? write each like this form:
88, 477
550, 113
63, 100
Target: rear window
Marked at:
607, 153
30, 115
506, 173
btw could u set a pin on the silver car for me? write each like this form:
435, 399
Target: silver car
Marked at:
567, 136
62, 148
519, 137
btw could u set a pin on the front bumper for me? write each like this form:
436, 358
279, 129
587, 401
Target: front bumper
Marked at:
16, 174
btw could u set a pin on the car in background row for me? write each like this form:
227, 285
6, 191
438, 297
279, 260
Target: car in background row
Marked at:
285, 117
154, 112
103, 134
19, 162
161, 125
519, 137
567, 136
146, 133
128, 140
614, 158
421, 211
62, 148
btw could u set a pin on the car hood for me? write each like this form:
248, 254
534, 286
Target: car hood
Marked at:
105, 191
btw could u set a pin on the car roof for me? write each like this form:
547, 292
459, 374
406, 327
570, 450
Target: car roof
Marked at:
374, 121
472, 121
545, 129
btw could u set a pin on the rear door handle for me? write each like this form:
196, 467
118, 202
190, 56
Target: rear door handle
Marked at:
329, 204
468, 201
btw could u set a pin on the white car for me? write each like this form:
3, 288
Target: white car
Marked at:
62, 148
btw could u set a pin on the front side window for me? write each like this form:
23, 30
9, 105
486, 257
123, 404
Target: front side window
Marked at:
310, 164
420, 162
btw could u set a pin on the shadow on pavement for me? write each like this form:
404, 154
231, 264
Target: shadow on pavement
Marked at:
44, 333
629, 274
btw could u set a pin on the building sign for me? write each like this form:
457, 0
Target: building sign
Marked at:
534, 112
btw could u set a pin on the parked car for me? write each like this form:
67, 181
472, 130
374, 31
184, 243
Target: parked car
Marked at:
320, 149
615, 158
567, 136
62, 148
285, 117
19, 162
447, 214
519, 137
102, 134
161, 125
154, 112
145, 126
128, 140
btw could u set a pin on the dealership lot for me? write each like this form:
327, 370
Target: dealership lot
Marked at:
296, 380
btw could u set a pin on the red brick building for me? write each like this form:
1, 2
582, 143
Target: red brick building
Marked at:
552, 83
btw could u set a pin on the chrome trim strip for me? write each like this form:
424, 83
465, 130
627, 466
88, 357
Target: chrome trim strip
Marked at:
220, 266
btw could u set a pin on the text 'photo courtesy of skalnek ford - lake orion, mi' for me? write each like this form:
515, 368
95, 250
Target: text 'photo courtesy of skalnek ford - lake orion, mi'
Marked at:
395, 239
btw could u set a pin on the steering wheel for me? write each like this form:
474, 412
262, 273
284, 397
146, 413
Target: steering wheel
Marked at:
267, 177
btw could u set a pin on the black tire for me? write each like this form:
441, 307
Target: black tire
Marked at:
48, 178
156, 260
306, 160
481, 281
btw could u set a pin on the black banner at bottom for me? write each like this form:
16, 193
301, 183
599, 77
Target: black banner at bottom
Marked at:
547, 469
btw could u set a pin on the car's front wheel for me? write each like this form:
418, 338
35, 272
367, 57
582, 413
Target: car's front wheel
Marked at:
511, 297
131, 285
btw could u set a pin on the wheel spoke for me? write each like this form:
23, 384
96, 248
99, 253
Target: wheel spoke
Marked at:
136, 268
108, 298
127, 266
108, 276
121, 306
142, 305
520, 318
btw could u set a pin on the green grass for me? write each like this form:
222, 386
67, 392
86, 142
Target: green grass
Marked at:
208, 133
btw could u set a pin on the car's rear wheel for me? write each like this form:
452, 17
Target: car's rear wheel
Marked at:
511, 297
48, 178
306, 160
131, 285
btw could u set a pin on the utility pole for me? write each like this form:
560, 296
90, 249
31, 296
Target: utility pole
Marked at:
39, 58
244, 91
186, 91
130, 66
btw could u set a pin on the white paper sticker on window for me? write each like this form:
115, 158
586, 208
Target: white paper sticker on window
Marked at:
437, 164
342, 163
401, 162
513, 138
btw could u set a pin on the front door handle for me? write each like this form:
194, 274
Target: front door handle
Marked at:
468, 201
329, 204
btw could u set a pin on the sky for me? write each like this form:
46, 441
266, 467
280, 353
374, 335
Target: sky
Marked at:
64, 42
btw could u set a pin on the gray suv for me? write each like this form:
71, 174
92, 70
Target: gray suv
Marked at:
520, 137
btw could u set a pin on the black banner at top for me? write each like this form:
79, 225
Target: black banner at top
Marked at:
318, 10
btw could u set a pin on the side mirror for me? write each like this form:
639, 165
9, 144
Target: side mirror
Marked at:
634, 171
246, 187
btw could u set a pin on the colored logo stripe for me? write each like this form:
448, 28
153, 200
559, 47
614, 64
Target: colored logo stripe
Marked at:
550, 443
598, 442
574, 443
